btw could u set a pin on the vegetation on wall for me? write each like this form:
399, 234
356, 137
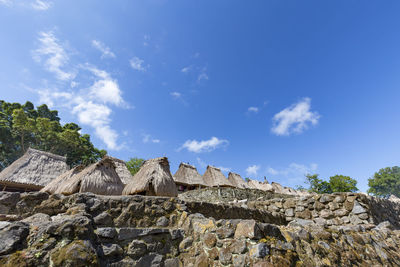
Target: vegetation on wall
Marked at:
336, 183
23, 126
385, 182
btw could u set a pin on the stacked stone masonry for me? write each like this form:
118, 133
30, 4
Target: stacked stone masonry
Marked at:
37, 229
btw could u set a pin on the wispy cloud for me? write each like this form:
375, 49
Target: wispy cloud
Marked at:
295, 119
105, 50
41, 5
137, 64
202, 75
252, 170
253, 109
146, 39
148, 139
186, 69
203, 164
176, 95
91, 103
294, 173
204, 146
54, 56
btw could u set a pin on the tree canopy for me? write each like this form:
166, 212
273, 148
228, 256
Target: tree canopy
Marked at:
337, 183
23, 126
385, 182
134, 165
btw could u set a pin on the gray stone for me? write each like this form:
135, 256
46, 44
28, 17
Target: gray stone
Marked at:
385, 225
4, 224
238, 246
12, 237
103, 219
355, 220
172, 262
37, 219
341, 212
259, 250
324, 244
303, 235
162, 221
107, 232
339, 199
225, 232
186, 243
300, 222
225, 256
132, 233
112, 250
326, 214
363, 216
357, 208
239, 260
137, 248
151, 260
176, 233
325, 199
8, 200
289, 212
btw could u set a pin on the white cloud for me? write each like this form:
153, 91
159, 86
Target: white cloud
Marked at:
186, 69
224, 169
203, 164
105, 50
204, 146
202, 75
137, 64
252, 170
253, 109
148, 139
6, 2
294, 169
295, 119
175, 94
54, 55
41, 5
146, 38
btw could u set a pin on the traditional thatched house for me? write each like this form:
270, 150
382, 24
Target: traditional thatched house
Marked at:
213, 177
260, 185
154, 179
99, 178
237, 181
32, 171
187, 178
122, 171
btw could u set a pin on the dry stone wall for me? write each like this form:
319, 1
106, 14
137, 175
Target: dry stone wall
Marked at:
37, 229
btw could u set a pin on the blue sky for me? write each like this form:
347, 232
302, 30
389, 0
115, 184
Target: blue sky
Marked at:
261, 88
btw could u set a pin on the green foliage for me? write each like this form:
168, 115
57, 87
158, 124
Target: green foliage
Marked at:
134, 165
385, 182
247, 179
341, 183
23, 126
337, 183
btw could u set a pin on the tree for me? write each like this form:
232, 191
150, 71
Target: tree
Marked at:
385, 182
23, 126
337, 183
134, 165
341, 183
317, 185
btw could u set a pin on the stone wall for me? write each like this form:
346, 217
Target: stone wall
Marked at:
88, 230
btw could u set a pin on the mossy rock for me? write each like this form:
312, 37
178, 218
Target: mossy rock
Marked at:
78, 253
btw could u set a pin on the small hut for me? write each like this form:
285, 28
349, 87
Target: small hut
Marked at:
153, 179
213, 177
187, 178
264, 186
237, 181
32, 171
99, 178
122, 171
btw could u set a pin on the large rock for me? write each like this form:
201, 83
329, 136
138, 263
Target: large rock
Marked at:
12, 237
77, 253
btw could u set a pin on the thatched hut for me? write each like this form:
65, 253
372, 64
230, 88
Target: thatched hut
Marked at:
32, 171
99, 178
122, 171
237, 181
264, 186
187, 178
153, 179
213, 177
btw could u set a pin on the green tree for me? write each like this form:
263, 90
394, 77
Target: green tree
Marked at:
23, 126
341, 183
317, 185
385, 182
134, 165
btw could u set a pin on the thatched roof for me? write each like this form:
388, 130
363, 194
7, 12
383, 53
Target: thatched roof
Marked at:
260, 185
188, 175
99, 178
213, 177
153, 178
236, 180
122, 171
35, 167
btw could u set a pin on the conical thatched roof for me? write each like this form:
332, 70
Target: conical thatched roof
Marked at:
154, 178
188, 175
260, 185
99, 178
213, 177
55, 186
35, 167
236, 180
278, 188
122, 171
